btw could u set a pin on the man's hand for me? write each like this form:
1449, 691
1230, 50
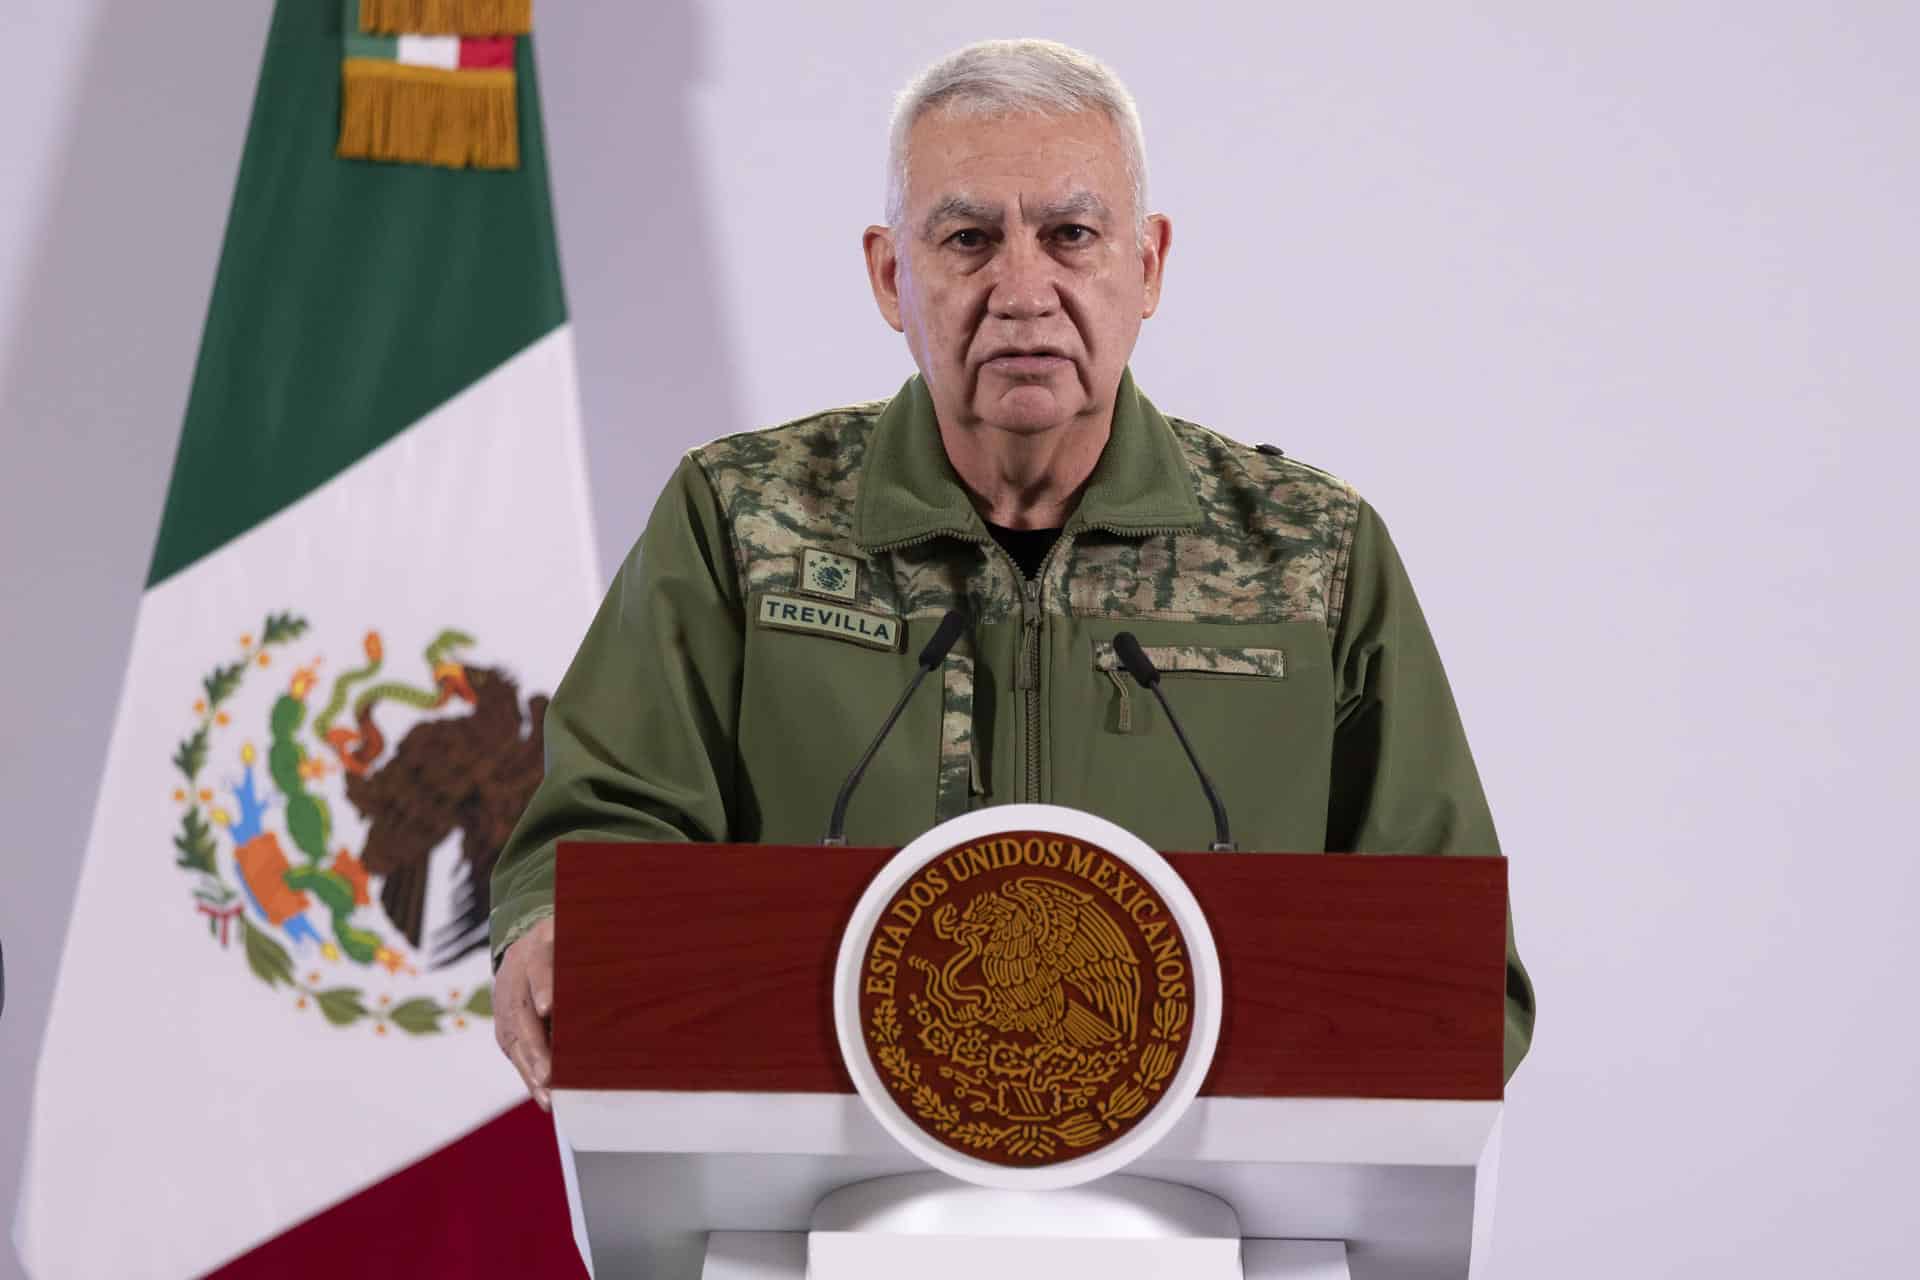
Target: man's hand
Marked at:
522, 1007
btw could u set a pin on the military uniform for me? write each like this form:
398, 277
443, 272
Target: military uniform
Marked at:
773, 610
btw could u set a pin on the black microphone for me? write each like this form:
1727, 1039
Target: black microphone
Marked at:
1147, 677
930, 657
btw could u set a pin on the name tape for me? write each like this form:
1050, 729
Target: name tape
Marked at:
790, 613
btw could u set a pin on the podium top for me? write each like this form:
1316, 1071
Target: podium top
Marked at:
708, 967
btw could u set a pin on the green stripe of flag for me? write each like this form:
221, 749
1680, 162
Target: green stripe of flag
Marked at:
352, 297
382, 48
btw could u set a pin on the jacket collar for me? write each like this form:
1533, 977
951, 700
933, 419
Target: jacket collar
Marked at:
909, 491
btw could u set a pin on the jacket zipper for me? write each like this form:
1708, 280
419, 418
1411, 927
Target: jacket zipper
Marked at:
1032, 622
1028, 682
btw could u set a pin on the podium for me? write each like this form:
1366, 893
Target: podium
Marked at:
1351, 1117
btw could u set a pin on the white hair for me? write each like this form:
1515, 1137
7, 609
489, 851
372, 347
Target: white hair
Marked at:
1000, 77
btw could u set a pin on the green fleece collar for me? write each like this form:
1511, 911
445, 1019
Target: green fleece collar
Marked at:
909, 491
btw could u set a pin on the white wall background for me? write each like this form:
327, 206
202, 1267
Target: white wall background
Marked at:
1610, 308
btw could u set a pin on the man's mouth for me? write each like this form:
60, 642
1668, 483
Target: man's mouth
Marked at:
1026, 362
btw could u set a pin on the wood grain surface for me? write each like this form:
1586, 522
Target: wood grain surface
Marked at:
709, 967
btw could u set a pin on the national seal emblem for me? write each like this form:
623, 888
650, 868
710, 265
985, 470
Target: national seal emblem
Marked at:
1027, 997
341, 830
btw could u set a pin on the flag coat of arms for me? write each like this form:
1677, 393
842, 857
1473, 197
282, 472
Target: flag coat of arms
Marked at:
374, 561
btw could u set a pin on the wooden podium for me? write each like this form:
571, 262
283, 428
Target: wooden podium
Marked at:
1351, 1116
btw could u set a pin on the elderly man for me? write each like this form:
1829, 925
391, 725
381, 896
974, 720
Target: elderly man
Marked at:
771, 612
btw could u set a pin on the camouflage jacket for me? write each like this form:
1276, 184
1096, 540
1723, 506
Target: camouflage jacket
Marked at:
773, 610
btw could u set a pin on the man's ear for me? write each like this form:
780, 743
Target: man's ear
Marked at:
883, 273
1155, 243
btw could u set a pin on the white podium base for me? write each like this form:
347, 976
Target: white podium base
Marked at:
782, 1255
932, 1227
929, 1227
1407, 1184
850, 1255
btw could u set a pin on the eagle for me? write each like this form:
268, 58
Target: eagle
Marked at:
471, 773
1050, 962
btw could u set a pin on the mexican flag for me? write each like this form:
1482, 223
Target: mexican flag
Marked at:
271, 1048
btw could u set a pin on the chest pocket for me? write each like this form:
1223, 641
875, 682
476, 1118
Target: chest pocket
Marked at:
1254, 698
1183, 660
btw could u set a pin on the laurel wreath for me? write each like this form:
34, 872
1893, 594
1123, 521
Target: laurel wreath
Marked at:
1124, 1102
270, 962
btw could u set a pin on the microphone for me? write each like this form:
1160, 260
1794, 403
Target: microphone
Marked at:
1136, 661
930, 657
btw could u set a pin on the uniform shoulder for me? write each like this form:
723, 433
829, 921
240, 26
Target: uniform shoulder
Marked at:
1272, 529
793, 442
1220, 457
800, 478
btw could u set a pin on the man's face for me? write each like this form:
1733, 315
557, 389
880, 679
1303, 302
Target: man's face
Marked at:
1016, 274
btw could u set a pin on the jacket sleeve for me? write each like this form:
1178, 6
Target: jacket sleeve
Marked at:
1403, 777
640, 732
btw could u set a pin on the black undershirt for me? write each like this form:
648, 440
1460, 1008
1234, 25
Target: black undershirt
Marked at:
1028, 547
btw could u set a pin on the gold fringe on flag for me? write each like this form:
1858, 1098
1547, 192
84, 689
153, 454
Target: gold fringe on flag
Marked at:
426, 115
446, 17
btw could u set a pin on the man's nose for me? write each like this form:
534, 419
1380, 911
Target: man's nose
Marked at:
1024, 284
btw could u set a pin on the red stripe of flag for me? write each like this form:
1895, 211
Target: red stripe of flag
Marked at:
487, 51
490, 1206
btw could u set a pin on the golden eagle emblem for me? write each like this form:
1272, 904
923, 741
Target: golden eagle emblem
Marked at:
1044, 960
1026, 998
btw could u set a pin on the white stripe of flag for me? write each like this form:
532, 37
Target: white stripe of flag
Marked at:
430, 51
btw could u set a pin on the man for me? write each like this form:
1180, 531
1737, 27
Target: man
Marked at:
771, 612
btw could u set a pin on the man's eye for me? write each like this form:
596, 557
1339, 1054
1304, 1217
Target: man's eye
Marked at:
1074, 233
968, 238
